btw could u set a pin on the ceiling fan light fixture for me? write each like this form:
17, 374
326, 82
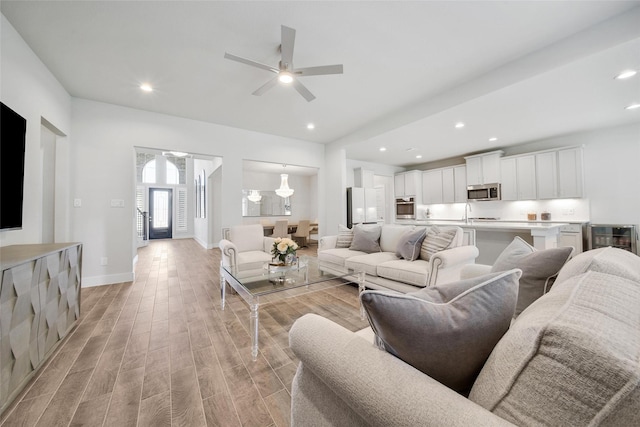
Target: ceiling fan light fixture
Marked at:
285, 77
284, 191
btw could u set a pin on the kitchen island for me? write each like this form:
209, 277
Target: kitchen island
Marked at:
492, 236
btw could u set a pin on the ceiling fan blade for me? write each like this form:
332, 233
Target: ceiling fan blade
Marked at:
302, 90
250, 62
265, 87
288, 38
316, 71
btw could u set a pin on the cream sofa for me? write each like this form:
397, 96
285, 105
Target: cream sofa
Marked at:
572, 358
385, 270
246, 247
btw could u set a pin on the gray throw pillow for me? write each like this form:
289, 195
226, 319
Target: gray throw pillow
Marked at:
410, 243
436, 240
345, 237
366, 238
539, 268
446, 331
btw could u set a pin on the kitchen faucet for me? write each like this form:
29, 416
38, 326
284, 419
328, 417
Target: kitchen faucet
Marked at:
466, 215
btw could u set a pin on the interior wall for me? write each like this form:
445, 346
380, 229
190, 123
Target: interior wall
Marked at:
27, 87
215, 230
110, 133
48, 154
201, 225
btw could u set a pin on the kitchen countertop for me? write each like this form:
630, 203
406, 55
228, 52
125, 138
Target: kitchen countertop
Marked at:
491, 224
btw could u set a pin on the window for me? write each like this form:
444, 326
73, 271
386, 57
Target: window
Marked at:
173, 175
149, 172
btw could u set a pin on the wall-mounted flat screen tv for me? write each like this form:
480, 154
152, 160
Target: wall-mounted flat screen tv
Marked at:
13, 129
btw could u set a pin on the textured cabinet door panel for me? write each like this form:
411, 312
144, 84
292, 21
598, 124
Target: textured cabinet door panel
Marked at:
40, 303
19, 324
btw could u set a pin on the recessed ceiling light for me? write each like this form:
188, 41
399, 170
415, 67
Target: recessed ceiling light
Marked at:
383, 149
459, 125
632, 106
493, 138
419, 156
626, 74
146, 87
311, 126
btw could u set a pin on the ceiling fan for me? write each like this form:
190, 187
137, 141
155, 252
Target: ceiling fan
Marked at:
285, 71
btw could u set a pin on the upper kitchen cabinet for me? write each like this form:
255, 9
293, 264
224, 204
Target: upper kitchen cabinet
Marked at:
546, 175
559, 173
408, 184
518, 177
445, 185
432, 187
483, 168
459, 184
570, 173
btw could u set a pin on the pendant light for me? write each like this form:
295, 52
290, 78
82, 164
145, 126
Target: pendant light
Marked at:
284, 190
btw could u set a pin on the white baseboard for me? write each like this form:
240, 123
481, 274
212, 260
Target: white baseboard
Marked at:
88, 282
204, 244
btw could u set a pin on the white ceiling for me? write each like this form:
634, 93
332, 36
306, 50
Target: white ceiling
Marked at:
517, 70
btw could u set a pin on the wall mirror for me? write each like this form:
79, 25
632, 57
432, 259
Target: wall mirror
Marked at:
269, 204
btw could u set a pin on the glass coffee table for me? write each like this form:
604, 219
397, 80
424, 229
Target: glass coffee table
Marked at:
271, 283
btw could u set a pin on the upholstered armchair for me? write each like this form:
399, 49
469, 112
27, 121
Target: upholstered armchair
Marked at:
246, 247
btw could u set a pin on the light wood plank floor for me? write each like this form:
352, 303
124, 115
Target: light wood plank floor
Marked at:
161, 352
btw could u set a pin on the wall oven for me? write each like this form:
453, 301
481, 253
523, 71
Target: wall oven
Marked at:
405, 208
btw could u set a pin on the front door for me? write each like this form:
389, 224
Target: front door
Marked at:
160, 207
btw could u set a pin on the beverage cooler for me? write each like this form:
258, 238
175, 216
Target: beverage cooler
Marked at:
619, 236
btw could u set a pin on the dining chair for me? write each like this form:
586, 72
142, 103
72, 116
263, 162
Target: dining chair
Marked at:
281, 229
313, 234
301, 236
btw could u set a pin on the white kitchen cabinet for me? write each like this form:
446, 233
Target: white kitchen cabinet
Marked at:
460, 184
546, 175
518, 178
571, 235
526, 167
483, 168
408, 184
370, 205
432, 186
570, 173
448, 186
559, 173
509, 178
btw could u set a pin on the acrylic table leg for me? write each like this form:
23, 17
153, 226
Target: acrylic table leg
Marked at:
254, 331
360, 290
223, 286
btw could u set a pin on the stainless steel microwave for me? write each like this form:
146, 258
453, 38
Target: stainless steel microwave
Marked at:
484, 192
405, 208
